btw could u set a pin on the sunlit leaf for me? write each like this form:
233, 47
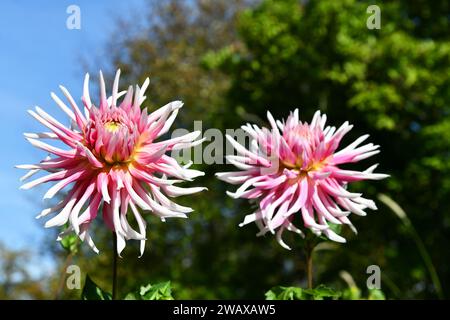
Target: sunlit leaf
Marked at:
159, 291
91, 291
321, 292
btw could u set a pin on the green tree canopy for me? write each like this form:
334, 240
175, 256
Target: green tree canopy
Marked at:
230, 62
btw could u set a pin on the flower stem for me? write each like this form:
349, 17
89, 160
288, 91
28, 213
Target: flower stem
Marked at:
309, 247
114, 284
395, 207
309, 266
62, 279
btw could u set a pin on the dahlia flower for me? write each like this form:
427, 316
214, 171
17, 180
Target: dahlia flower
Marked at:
292, 172
111, 163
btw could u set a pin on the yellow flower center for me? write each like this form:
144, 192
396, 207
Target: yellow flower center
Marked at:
302, 173
112, 126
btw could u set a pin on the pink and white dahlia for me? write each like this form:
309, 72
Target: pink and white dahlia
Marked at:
112, 162
292, 172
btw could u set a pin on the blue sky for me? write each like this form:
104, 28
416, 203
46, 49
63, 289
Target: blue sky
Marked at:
38, 53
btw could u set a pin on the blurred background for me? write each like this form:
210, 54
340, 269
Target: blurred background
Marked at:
230, 61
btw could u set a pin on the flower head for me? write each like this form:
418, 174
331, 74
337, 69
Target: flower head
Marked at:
112, 162
292, 172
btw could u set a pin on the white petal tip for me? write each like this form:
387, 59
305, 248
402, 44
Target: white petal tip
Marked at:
232, 195
176, 104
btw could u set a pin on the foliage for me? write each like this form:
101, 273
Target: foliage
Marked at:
321, 292
91, 291
70, 243
392, 83
159, 291
230, 61
16, 278
354, 293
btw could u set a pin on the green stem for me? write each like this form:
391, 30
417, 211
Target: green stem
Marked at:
395, 207
114, 283
309, 263
62, 280
427, 260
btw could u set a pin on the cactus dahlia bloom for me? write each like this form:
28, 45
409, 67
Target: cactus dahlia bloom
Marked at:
112, 162
292, 172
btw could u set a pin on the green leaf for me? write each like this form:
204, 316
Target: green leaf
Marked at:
322, 292
293, 293
70, 243
92, 291
131, 296
284, 293
375, 294
351, 293
337, 228
159, 291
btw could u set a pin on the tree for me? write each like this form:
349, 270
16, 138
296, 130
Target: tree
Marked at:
205, 256
16, 282
392, 83
231, 61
